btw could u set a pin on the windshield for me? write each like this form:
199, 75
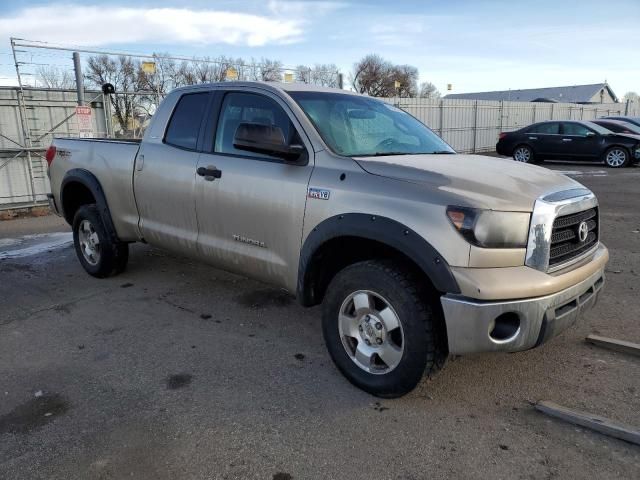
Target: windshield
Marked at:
357, 126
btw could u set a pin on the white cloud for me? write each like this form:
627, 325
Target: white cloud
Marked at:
97, 25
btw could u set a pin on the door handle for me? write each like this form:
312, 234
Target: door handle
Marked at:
139, 162
533, 138
567, 139
210, 173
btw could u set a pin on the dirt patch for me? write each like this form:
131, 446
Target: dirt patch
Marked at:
265, 298
180, 380
33, 414
24, 212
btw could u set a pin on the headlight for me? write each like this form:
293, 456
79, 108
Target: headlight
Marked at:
491, 229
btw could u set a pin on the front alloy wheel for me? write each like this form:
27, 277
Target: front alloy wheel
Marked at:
381, 329
371, 332
616, 157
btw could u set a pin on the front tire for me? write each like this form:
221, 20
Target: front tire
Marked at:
98, 254
524, 154
616, 157
379, 328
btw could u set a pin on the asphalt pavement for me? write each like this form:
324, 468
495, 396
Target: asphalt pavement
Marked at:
177, 370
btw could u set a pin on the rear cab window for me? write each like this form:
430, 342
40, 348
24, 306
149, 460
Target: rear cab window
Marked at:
184, 126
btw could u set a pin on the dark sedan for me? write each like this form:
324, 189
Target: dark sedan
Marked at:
617, 126
570, 140
634, 120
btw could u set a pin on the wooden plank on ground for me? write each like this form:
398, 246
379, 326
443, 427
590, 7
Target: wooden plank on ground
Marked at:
613, 344
594, 422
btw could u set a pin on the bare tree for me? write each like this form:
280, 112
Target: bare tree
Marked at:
406, 77
370, 76
51, 76
378, 77
319, 74
429, 90
325, 75
162, 80
631, 97
270, 70
123, 74
303, 74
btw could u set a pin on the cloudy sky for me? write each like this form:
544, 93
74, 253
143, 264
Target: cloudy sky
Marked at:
474, 45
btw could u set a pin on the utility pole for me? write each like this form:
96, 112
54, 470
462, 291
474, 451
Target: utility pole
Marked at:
77, 67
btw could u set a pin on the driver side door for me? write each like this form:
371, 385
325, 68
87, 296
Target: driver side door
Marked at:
251, 216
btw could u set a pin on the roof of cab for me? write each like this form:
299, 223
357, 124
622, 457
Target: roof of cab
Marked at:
273, 86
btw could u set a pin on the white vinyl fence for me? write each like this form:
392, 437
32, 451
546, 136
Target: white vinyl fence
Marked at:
471, 126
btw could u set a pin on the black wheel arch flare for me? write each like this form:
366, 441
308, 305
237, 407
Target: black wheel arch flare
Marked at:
89, 181
380, 229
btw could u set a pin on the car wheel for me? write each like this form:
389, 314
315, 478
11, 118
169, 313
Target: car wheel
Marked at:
524, 154
99, 255
616, 157
379, 329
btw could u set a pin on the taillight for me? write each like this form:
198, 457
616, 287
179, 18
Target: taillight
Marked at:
501, 135
50, 155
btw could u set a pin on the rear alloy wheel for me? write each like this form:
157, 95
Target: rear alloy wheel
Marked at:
616, 157
98, 253
523, 154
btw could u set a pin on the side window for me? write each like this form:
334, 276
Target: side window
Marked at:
240, 108
574, 129
184, 125
552, 128
614, 127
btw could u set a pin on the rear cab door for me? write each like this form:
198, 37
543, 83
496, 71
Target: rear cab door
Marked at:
251, 216
165, 172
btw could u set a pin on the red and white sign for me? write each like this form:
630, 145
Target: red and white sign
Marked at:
85, 125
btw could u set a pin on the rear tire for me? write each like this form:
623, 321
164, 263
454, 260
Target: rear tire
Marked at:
379, 329
617, 157
524, 154
98, 254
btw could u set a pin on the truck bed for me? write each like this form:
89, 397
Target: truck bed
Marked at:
112, 162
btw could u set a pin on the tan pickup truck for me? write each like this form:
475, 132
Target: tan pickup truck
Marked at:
415, 252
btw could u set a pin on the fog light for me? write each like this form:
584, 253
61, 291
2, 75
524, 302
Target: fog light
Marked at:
505, 327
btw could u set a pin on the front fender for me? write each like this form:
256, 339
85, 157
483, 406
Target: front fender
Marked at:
380, 229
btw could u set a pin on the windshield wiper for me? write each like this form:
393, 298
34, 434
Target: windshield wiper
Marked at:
443, 152
382, 154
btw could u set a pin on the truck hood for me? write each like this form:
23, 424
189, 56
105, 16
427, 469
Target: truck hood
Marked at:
473, 180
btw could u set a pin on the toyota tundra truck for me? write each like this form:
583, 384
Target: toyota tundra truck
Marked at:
414, 251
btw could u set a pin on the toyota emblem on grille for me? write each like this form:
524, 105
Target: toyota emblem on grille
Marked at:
583, 231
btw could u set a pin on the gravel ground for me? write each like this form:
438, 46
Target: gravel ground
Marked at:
176, 370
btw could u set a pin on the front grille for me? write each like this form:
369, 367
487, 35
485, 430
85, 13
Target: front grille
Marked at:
565, 237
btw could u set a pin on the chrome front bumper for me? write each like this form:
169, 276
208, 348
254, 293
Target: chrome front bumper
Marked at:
472, 325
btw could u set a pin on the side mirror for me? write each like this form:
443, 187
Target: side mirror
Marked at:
590, 134
268, 139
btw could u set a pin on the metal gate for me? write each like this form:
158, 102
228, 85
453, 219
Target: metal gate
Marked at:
45, 113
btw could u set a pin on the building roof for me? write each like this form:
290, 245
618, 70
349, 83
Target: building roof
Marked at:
570, 94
